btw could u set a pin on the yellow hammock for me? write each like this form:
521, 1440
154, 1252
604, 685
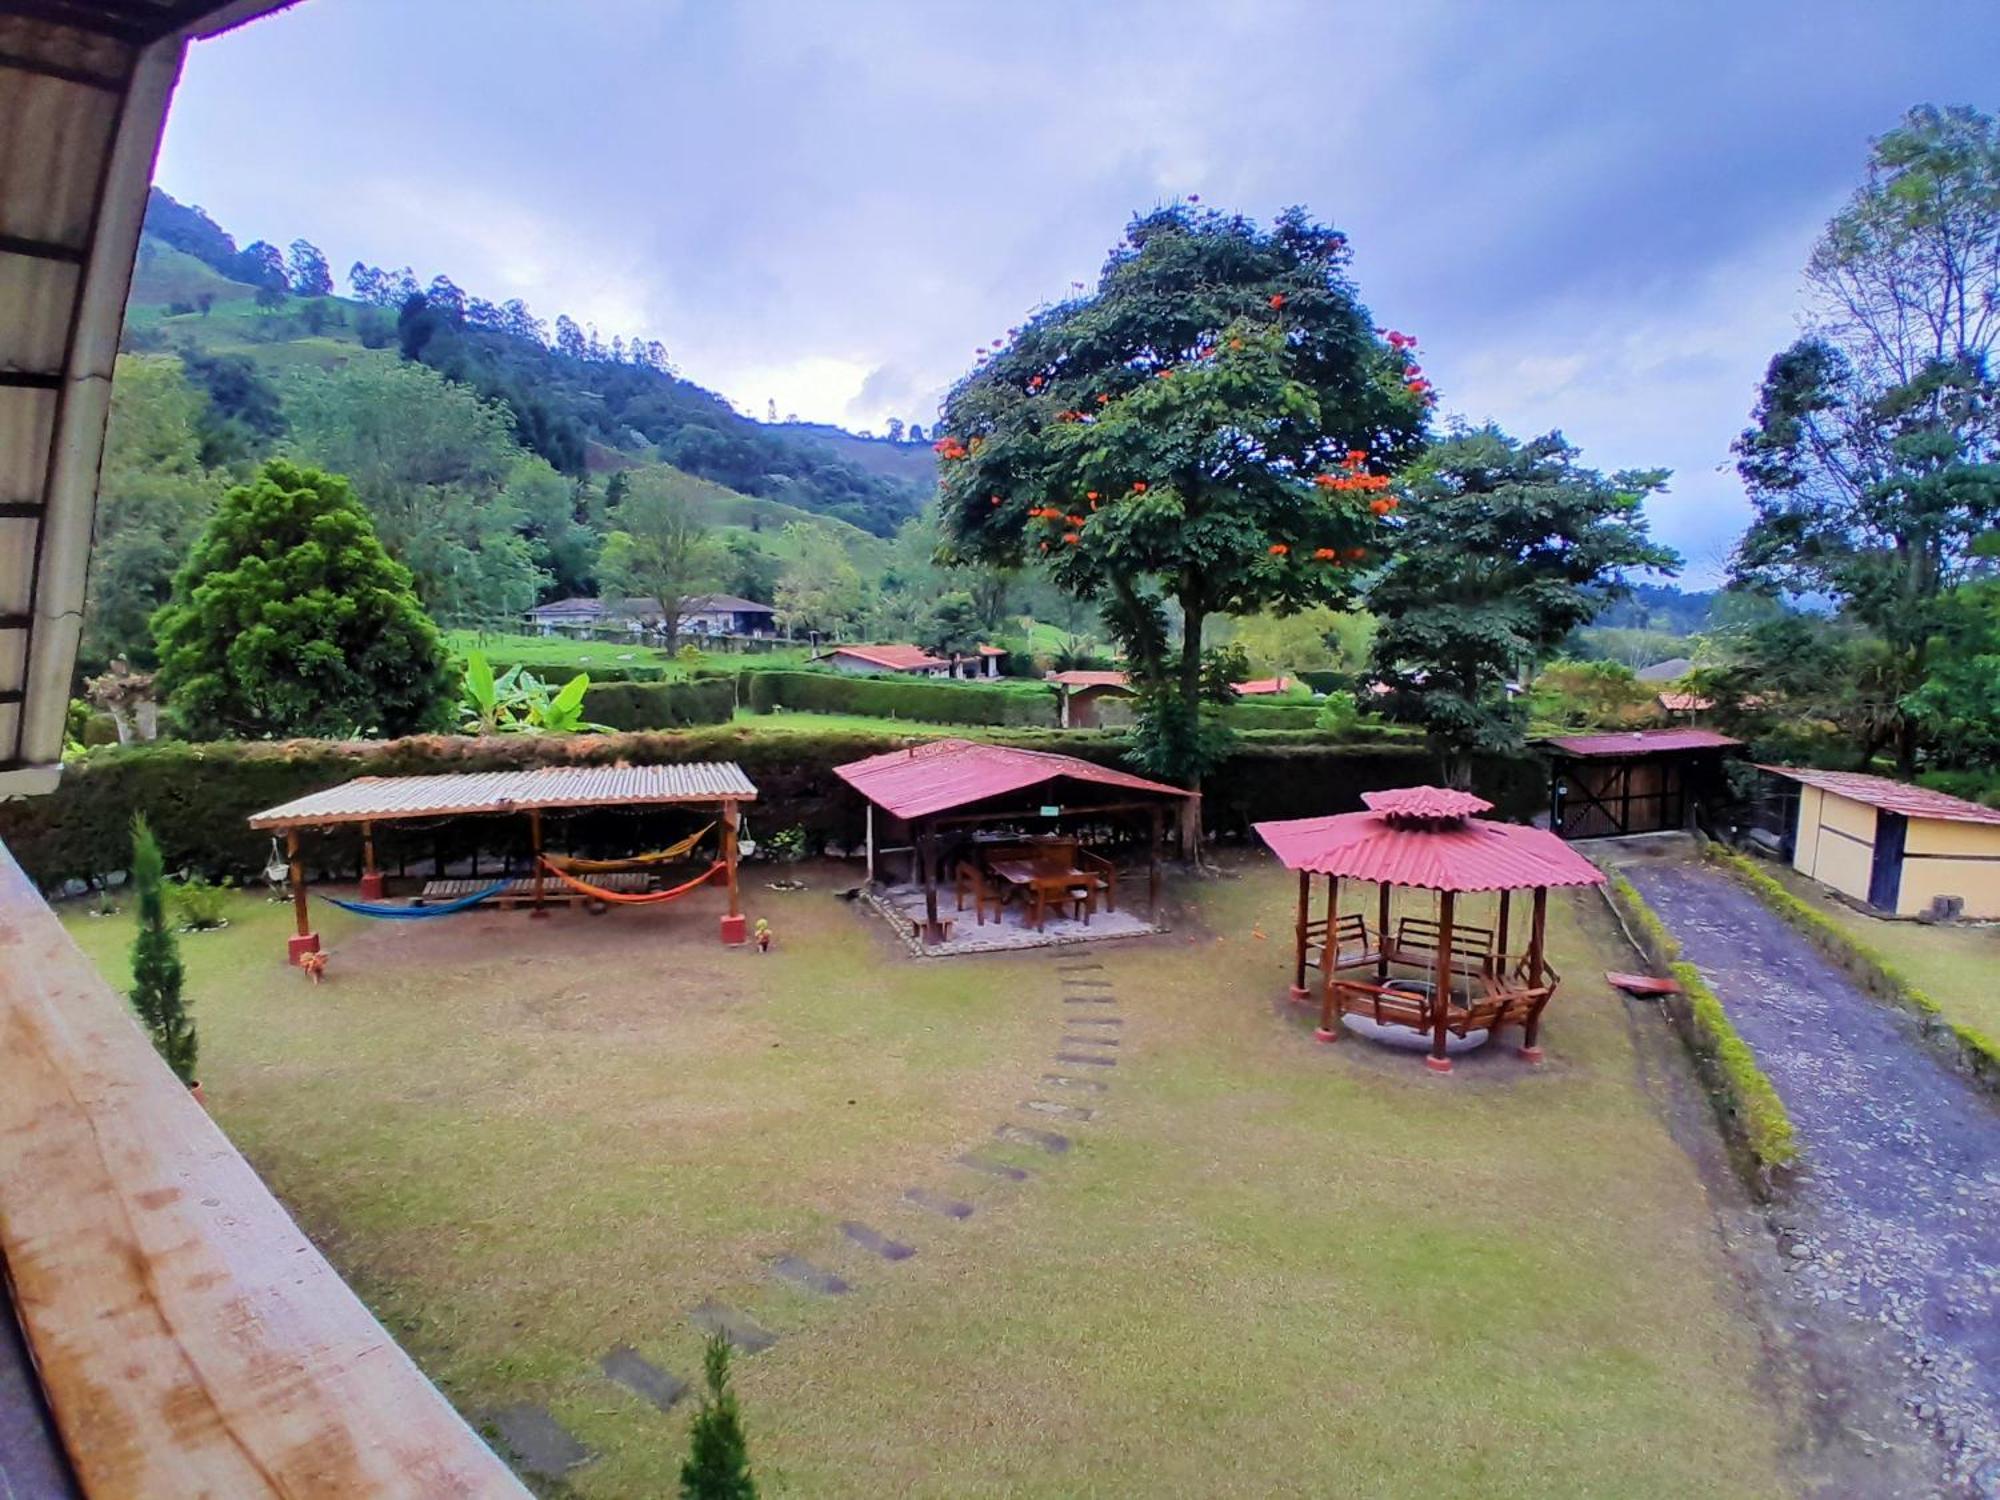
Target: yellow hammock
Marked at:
623, 898
664, 856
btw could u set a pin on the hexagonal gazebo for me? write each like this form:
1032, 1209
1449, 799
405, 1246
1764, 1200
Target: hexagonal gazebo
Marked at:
1441, 975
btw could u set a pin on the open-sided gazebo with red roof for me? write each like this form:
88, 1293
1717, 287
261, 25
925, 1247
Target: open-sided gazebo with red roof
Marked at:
1441, 975
948, 789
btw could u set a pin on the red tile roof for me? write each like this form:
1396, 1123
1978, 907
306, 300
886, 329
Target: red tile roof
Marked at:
1091, 679
891, 658
1894, 796
992, 650
944, 774
1641, 742
1469, 855
1260, 686
1426, 802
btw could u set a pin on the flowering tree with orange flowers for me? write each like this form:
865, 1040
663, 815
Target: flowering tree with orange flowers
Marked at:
1209, 432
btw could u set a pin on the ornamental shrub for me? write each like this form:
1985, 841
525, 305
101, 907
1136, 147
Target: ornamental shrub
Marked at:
201, 904
156, 960
289, 618
718, 1461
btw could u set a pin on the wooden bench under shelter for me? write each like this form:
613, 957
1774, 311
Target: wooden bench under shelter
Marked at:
372, 800
1435, 975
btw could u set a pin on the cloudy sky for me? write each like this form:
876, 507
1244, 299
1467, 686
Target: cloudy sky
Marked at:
1593, 214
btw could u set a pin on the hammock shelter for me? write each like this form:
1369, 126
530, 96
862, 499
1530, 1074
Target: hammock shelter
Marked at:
992, 816
373, 800
1441, 976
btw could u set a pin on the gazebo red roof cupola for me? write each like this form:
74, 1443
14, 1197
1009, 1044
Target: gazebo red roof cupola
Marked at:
1426, 838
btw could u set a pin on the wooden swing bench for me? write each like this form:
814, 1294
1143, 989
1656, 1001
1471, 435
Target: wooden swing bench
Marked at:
1357, 945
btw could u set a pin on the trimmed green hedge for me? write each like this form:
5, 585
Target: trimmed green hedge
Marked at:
199, 797
660, 705
1257, 713
926, 700
1978, 1053
1749, 1105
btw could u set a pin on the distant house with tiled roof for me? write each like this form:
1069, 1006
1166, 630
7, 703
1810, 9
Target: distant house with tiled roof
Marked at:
701, 614
1263, 687
911, 661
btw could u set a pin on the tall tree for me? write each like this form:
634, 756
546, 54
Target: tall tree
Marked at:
660, 550
1873, 458
821, 591
157, 972
308, 271
1502, 548
262, 265
289, 619
1201, 435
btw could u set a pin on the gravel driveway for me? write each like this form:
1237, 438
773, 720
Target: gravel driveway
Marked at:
1896, 1217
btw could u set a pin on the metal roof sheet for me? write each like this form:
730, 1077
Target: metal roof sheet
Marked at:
1426, 802
944, 774
1893, 796
1258, 687
387, 798
1472, 855
1641, 742
1083, 679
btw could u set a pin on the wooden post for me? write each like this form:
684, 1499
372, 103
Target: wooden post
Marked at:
927, 851
1501, 937
1384, 890
1438, 1062
1537, 933
371, 876
1330, 954
307, 941
1153, 869
535, 853
869, 812
1299, 934
734, 929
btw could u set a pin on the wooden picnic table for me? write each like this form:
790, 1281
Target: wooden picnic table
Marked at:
1039, 883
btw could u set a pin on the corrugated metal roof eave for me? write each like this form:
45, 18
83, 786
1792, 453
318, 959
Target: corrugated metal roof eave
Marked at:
389, 798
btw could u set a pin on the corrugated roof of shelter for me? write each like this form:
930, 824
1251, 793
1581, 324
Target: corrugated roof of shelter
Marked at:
895, 658
1258, 687
944, 774
1892, 796
1641, 742
1671, 670
1426, 802
1684, 703
1091, 679
387, 798
1469, 855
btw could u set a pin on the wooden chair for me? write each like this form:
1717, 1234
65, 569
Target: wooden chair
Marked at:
970, 878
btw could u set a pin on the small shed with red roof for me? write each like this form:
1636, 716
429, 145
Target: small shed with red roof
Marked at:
1633, 780
1903, 849
1092, 699
1451, 979
941, 801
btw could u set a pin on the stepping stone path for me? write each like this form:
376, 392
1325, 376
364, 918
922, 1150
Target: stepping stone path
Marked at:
1064, 1081
803, 1273
1088, 984
994, 1168
937, 1203
875, 1242
540, 1444
1093, 1021
1022, 1135
1088, 1039
739, 1328
1088, 1000
642, 1378
1060, 1111
1086, 1057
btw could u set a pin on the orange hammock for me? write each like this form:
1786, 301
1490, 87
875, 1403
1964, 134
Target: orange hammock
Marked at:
622, 898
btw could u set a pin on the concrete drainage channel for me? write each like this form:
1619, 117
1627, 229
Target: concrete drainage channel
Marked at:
540, 1445
1878, 1265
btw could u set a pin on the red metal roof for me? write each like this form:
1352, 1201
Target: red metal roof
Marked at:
944, 774
892, 658
1641, 742
1426, 802
1258, 687
1090, 679
1470, 855
1894, 796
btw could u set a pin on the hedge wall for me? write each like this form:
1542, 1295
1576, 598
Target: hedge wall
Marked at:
660, 705
926, 700
1257, 714
199, 797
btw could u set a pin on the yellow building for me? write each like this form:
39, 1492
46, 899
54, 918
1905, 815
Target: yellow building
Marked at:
1895, 846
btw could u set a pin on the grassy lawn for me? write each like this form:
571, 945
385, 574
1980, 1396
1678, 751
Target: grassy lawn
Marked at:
1954, 965
1266, 1267
541, 653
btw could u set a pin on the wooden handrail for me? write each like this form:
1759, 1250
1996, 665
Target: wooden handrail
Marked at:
189, 1338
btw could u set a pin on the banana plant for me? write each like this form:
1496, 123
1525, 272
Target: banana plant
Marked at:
563, 712
488, 705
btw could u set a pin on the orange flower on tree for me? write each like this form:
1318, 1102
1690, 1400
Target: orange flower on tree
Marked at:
1279, 549
1092, 495
1381, 507
1138, 486
1071, 537
1325, 554
1277, 300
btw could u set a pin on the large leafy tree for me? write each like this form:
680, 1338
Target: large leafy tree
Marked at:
1873, 458
821, 591
1205, 433
660, 550
290, 619
1502, 549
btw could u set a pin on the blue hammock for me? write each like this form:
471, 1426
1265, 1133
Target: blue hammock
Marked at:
412, 913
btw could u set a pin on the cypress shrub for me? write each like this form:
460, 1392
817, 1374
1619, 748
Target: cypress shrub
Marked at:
718, 1461
156, 960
